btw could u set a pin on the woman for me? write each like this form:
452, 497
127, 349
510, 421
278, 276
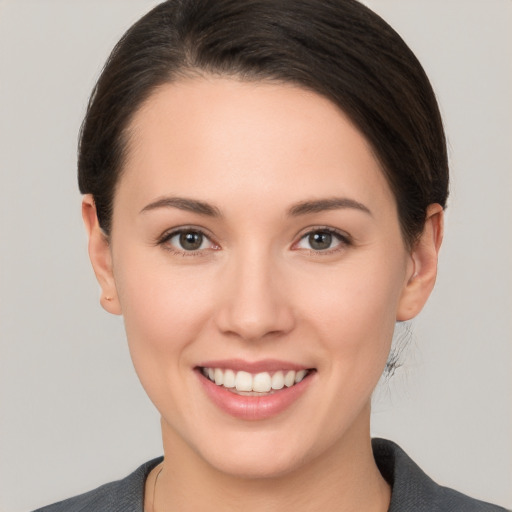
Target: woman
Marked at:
264, 185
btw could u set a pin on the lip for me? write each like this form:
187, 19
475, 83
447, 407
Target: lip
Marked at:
253, 408
264, 365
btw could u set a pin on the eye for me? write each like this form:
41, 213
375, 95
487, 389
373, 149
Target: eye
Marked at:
187, 241
322, 240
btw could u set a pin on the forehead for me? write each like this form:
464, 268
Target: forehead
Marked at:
227, 137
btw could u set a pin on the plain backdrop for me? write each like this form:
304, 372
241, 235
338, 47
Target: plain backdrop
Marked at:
72, 413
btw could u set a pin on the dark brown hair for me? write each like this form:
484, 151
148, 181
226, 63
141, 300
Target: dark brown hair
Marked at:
337, 48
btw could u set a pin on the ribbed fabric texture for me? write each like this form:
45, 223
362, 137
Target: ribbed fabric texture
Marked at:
412, 489
126, 495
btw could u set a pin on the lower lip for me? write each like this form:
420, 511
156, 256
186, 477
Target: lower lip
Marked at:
253, 407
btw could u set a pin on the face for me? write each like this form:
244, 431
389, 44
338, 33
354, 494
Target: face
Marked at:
257, 259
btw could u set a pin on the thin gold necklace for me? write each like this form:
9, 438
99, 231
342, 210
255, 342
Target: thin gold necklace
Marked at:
154, 489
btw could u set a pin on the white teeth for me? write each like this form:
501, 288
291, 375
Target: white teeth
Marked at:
218, 375
289, 379
229, 379
261, 382
299, 376
278, 380
243, 381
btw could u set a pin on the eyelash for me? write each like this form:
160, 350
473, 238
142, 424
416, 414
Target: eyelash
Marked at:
343, 239
166, 237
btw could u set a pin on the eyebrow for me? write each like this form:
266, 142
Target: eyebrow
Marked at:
302, 208
321, 205
182, 203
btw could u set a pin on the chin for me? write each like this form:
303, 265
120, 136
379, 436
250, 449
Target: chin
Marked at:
254, 466
249, 453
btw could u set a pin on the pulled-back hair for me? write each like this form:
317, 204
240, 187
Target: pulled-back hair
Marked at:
337, 48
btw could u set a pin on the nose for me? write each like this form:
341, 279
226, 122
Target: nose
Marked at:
254, 303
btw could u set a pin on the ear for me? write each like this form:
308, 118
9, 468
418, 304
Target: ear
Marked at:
422, 270
100, 256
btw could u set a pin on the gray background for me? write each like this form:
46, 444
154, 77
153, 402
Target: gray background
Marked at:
73, 414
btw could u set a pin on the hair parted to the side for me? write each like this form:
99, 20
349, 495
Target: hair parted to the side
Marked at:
337, 48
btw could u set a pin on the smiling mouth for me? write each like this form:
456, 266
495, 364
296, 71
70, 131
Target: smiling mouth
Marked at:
254, 384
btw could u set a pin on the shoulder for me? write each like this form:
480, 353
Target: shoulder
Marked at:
412, 489
126, 495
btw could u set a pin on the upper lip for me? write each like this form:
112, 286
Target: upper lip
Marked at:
263, 365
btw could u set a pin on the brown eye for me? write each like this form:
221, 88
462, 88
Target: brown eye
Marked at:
191, 240
320, 240
187, 241
323, 240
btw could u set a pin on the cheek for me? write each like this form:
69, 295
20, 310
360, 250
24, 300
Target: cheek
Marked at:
164, 309
164, 314
355, 312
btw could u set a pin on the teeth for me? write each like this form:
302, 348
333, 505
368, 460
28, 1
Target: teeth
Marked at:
261, 382
229, 379
278, 380
243, 381
218, 376
289, 379
299, 376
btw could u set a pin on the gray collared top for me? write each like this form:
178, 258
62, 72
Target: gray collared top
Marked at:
412, 489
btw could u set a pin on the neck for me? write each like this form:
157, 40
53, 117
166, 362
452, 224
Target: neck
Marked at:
346, 478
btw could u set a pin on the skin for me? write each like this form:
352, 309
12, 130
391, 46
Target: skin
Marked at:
257, 289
